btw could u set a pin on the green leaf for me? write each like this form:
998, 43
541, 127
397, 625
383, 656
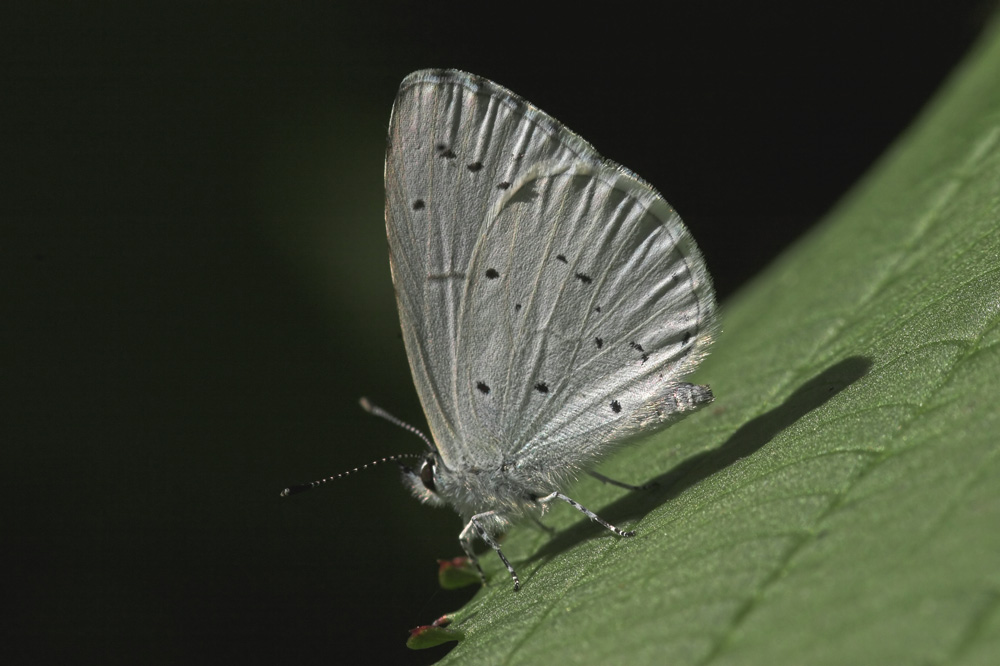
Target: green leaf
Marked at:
839, 503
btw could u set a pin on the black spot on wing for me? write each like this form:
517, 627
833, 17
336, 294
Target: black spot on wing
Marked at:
503, 186
483, 387
616, 406
687, 338
418, 204
586, 279
517, 307
475, 166
542, 387
445, 152
600, 342
562, 258
492, 273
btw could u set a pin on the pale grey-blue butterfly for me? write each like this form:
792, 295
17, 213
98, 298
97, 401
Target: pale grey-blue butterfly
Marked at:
551, 302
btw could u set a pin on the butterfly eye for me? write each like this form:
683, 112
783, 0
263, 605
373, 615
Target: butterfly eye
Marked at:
427, 475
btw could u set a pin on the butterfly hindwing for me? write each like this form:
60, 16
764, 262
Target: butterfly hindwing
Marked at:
600, 304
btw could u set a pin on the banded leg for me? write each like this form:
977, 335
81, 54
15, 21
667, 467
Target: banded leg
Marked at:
587, 512
466, 540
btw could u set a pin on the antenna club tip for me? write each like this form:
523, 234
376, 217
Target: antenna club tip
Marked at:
365, 404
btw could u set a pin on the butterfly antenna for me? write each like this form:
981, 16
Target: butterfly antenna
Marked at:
378, 411
292, 490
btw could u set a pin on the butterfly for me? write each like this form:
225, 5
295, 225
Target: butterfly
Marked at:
551, 302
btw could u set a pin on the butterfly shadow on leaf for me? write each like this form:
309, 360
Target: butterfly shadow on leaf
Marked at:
750, 438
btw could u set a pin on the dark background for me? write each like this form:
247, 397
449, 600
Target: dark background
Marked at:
195, 288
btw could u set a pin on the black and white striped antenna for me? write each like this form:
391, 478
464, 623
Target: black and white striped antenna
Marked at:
381, 413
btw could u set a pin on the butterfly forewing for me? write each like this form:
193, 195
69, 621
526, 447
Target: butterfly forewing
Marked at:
456, 144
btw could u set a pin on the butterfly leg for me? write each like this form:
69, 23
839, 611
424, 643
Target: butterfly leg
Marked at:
627, 486
587, 512
466, 540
